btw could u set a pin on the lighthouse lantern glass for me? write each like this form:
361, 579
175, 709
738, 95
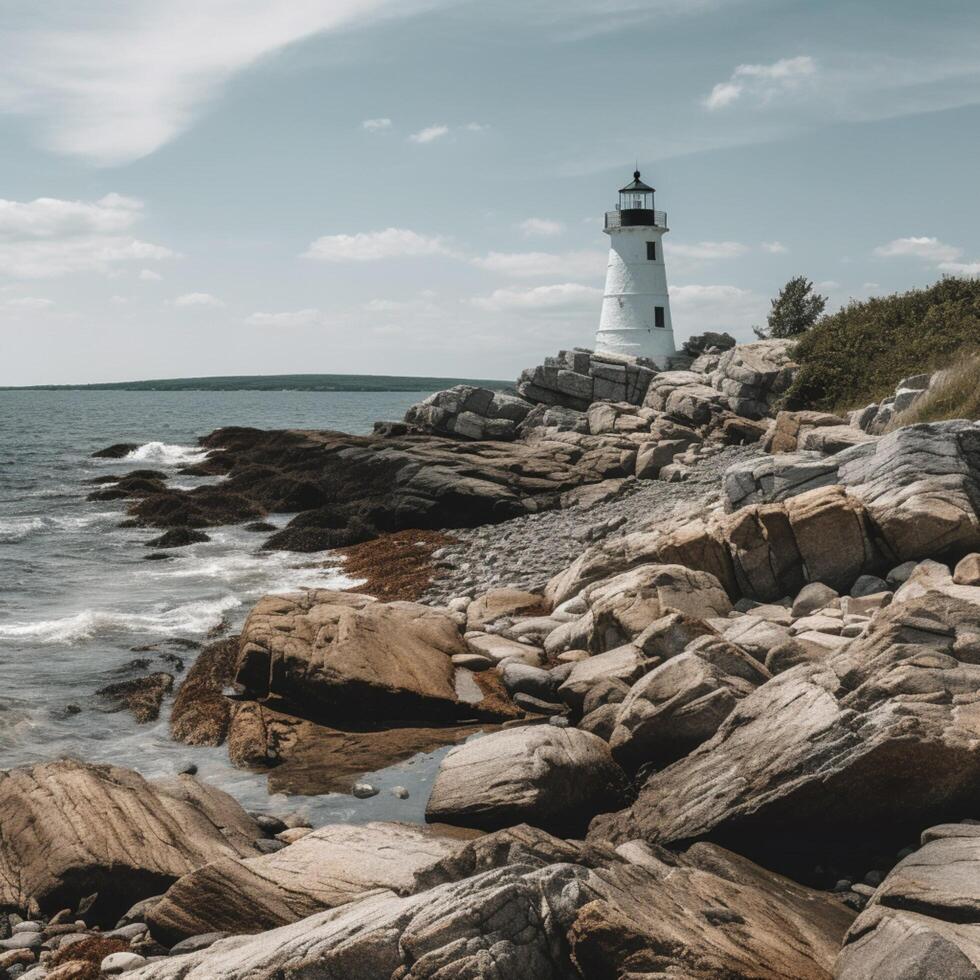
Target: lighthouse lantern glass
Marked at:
636, 200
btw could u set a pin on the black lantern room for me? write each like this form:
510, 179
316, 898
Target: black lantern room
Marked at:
636, 196
635, 207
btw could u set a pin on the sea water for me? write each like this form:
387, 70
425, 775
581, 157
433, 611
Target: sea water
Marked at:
77, 594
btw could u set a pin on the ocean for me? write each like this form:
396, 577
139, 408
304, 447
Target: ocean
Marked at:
77, 595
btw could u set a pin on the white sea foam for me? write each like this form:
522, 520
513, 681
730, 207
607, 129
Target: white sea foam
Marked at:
266, 572
17, 528
163, 454
191, 617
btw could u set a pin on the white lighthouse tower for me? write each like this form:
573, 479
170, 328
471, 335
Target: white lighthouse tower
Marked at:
636, 308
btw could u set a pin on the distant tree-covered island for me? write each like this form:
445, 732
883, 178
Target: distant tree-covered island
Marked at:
275, 382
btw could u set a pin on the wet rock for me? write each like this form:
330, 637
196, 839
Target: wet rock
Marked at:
178, 537
201, 714
142, 696
116, 451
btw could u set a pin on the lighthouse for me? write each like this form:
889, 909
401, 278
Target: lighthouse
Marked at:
635, 307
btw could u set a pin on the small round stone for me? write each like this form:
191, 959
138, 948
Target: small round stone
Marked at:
364, 790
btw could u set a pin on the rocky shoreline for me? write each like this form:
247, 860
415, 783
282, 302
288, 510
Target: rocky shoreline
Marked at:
709, 671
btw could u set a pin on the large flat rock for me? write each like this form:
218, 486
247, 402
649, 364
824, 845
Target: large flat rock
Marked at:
336, 864
337, 653
553, 909
68, 830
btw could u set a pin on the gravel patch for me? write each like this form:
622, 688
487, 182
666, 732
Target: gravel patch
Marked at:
527, 551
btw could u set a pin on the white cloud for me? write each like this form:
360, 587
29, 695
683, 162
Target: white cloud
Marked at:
198, 299
430, 134
544, 227
29, 303
870, 287
774, 248
537, 265
148, 275
368, 246
961, 268
930, 249
50, 237
374, 125
118, 300
562, 296
829, 284
763, 83
111, 82
707, 251
290, 319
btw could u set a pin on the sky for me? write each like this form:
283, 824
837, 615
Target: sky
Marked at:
221, 187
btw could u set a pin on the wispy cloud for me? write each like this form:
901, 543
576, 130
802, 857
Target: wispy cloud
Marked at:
761, 83
541, 265
562, 296
31, 303
774, 248
946, 258
369, 246
376, 125
706, 251
543, 227
50, 237
960, 268
198, 299
111, 82
930, 249
430, 134
148, 275
291, 319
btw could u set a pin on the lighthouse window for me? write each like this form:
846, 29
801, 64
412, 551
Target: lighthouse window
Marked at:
658, 316
652, 251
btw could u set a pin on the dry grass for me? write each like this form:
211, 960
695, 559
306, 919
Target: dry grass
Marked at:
954, 394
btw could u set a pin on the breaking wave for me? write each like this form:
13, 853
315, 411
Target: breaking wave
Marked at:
164, 454
192, 617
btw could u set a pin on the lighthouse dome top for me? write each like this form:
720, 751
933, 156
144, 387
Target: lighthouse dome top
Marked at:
637, 185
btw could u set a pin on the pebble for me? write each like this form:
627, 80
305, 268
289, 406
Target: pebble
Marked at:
116, 963
22, 940
364, 790
128, 932
28, 926
268, 823
400, 792
527, 551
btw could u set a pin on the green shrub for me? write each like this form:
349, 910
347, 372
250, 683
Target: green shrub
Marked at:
859, 354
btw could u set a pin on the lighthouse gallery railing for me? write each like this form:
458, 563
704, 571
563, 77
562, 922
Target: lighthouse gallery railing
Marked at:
635, 216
